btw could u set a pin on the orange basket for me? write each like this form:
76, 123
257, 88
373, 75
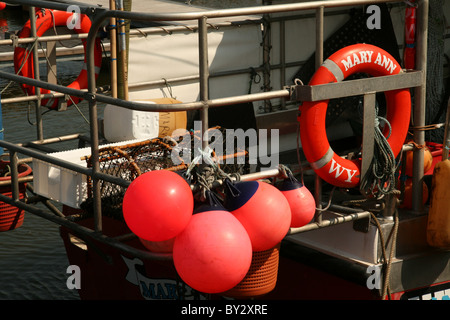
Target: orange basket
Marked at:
11, 217
261, 277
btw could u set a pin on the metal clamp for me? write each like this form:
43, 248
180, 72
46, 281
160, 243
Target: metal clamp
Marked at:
15, 40
293, 90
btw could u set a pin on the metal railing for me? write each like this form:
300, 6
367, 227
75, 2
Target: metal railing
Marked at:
416, 79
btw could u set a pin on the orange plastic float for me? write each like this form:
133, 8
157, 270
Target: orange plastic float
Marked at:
158, 205
213, 254
263, 210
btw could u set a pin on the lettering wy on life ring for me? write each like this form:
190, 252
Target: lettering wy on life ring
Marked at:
23, 60
359, 58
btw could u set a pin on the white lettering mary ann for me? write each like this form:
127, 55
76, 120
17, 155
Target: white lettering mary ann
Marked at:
353, 59
366, 57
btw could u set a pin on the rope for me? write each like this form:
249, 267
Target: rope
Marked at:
387, 263
73, 102
298, 154
23, 63
380, 178
48, 63
254, 78
207, 172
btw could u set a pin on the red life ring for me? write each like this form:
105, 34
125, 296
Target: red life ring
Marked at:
46, 19
359, 58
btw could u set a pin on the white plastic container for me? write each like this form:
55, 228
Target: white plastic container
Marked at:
63, 185
121, 124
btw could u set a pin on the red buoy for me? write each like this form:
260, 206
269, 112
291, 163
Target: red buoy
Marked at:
158, 205
214, 253
2, 5
301, 201
263, 210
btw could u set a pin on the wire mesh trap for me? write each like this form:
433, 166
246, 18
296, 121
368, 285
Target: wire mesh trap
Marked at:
131, 160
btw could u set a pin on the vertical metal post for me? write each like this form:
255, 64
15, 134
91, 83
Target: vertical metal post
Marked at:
123, 52
419, 105
113, 50
51, 67
39, 125
267, 45
319, 61
14, 175
90, 43
204, 73
95, 162
283, 58
319, 36
446, 142
368, 131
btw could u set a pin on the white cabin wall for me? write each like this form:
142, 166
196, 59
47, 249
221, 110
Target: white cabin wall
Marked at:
165, 56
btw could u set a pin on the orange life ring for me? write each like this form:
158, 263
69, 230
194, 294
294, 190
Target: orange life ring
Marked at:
23, 61
359, 58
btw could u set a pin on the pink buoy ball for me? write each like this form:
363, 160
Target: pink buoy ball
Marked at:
263, 211
214, 253
158, 205
301, 202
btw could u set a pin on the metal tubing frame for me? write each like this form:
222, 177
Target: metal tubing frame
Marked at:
260, 10
318, 63
99, 15
419, 105
203, 73
39, 122
330, 222
84, 232
44, 39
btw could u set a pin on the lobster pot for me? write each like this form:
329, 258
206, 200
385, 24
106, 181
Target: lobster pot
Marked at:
11, 217
261, 277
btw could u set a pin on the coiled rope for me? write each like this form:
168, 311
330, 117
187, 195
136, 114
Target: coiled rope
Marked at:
380, 178
387, 261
